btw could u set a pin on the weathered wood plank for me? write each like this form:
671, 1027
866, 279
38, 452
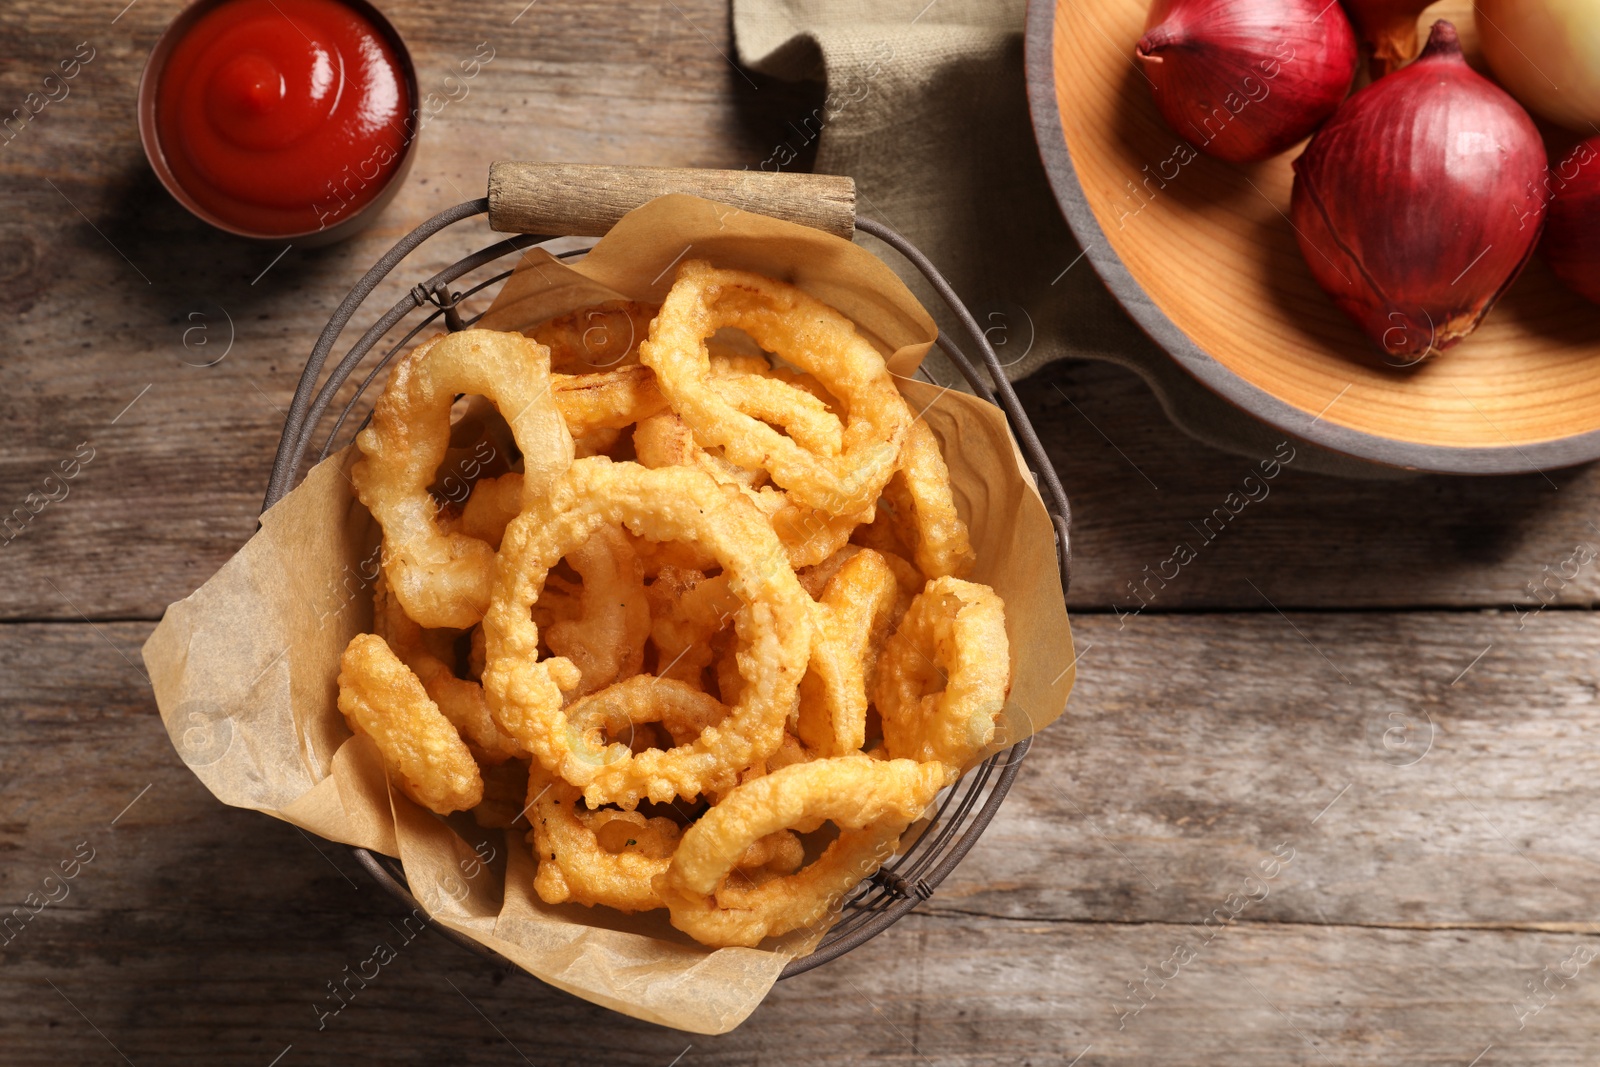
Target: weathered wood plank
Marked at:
587, 200
1402, 927
163, 985
1139, 489
1426, 768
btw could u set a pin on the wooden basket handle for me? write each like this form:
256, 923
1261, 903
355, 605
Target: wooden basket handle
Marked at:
586, 200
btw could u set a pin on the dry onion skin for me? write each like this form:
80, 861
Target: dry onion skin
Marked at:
714, 623
675, 504
380, 697
945, 674
871, 801
805, 332
442, 578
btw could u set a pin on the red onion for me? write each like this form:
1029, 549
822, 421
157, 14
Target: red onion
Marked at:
1246, 79
1388, 28
1572, 238
1420, 201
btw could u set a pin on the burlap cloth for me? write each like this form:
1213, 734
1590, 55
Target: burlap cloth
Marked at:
927, 109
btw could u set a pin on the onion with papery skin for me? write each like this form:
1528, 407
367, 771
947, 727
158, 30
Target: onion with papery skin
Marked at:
1244, 80
1420, 201
1572, 237
1388, 29
1547, 53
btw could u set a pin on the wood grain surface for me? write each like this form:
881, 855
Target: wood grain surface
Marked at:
1390, 683
587, 199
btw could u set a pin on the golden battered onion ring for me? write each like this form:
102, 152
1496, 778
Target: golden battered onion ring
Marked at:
945, 674
595, 338
665, 440
609, 401
430, 654
773, 624
596, 442
596, 408
380, 697
687, 609
493, 503
854, 615
925, 507
588, 857
871, 801
806, 419
806, 333
505, 791
682, 710
777, 853
808, 535
607, 641
481, 446
443, 578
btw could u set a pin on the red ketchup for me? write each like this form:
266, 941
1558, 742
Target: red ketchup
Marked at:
283, 116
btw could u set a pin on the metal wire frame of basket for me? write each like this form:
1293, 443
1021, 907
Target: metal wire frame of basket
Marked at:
965, 810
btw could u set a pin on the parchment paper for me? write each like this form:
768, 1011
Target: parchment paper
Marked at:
245, 668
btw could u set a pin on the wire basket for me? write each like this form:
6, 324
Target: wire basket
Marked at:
966, 808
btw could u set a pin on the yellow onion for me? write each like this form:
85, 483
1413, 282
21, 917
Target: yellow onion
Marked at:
1388, 29
1572, 237
1244, 80
1547, 53
1420, 201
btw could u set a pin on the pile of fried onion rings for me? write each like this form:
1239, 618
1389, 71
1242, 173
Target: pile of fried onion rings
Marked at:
700, 612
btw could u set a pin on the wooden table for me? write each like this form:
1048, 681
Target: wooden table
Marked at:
1353, 675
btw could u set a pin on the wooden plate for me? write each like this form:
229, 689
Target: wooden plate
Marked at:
1208, 265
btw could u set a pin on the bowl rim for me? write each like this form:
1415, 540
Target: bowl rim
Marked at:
1039, 61
150, 141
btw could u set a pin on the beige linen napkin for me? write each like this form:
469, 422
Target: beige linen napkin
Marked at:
927, 109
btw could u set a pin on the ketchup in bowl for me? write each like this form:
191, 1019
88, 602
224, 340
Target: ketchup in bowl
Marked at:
283, 117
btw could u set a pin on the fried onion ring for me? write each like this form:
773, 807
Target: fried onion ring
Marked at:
665, 440
380, 697
607, 641
806, 419
494, 502
688, 610
430, 655
588, 857
807, 333
773, 624
505, 790
443, 578
871, 801
853, 617
808, 535
594, 338
945, 674
926, 508
613, 400
682, 710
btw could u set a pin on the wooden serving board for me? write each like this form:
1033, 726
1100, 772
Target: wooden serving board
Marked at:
1203, 256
